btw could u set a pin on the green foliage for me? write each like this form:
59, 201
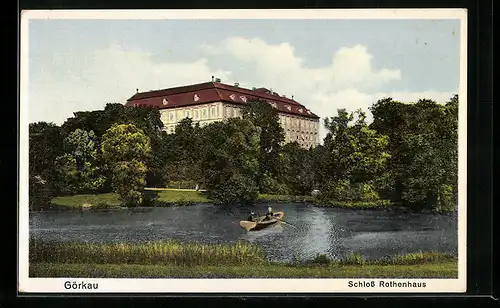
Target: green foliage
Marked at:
230, 165
271, 185
354, 204
355, 152
146, 119
271, 136
297, 169
125, 148
423, 143
78, 169
45, 144
343, 190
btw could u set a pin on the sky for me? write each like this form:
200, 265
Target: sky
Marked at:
326, 64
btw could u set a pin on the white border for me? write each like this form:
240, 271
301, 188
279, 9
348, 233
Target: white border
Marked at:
56, 285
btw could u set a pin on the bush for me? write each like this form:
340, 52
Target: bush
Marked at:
271, 185
355, 204
149, 197
238, 188
40, 193
345, 194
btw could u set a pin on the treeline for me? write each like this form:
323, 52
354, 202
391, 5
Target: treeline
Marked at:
406, 156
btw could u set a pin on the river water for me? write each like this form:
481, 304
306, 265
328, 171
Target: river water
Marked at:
335, 232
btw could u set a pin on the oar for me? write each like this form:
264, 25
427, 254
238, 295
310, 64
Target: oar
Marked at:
286, 223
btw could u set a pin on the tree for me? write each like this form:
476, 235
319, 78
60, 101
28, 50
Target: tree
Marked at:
272, 135
355, 154
230, 164
77, 169
298, 168
126, 149
45, 144
145, 118
423, 143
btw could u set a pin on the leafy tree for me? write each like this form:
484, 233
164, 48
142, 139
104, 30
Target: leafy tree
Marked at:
423, 143
298, 168
45, 144
145, 118
355, 154
126, 149
272, 135
187, 149
77, 168
230, 165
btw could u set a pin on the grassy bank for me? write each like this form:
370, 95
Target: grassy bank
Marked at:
380, 204
164, 197
172, 259
180, 197
439, 270
266, 198
167, 252
159, 197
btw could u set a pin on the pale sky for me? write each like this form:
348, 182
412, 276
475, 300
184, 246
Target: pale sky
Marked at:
80, 65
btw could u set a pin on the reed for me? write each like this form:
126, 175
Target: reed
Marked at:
157, 253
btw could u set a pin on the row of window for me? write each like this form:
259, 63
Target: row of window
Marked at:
288, 136
297, 122
204, 113
196, 113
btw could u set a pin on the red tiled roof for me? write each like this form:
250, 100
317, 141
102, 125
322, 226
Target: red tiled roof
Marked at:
209, 92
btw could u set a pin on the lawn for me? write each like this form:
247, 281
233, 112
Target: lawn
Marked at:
431, 270
166, 197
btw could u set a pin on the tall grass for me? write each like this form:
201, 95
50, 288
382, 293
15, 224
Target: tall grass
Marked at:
415, 258
166, 253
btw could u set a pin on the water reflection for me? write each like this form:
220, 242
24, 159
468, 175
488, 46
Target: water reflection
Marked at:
329, 231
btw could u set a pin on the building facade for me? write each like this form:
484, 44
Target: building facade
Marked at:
208, 102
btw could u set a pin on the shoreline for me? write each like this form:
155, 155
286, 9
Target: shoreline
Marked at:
179, 198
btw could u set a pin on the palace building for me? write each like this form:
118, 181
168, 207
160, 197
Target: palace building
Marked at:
214, 101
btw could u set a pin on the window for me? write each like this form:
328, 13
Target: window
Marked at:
213, 111
204, 113
228, 111
217, 111
171, 116
195, 113
187, 114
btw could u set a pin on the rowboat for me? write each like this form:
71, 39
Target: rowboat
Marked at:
260, 222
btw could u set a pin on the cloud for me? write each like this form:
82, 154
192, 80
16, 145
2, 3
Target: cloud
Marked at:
349, 82
72, 82
75, 81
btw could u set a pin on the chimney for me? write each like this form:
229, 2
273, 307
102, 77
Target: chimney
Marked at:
136, 90
292, 96
212, 78
236, 84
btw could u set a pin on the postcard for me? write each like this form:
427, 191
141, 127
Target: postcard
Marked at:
243, 151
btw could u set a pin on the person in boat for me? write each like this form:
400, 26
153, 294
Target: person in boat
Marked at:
269, 213
252, 216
